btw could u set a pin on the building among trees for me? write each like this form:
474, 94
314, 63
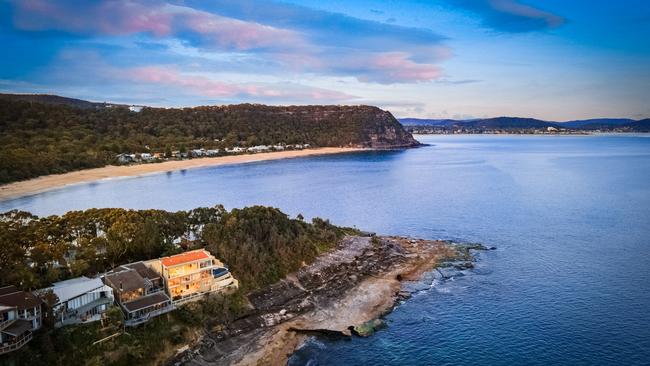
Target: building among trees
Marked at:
20, 315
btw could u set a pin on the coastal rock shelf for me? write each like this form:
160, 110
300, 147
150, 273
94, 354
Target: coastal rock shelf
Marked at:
342, 294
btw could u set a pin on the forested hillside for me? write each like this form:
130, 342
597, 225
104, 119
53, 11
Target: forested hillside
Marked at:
44, 138
260, 244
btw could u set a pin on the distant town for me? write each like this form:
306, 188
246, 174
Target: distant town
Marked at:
516, 125
421, 130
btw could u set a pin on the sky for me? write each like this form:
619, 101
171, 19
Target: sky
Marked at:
550, 59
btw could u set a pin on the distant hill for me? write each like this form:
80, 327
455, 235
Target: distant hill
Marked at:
638, 126
486, 123
507, 123
597, 122
49, 134
428, 122
53, 99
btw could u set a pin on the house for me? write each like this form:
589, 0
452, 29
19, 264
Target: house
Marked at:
80, 300
20, 315
191, 275
139, 292
197, 153
212, 152
235, 150
278, 147
135, 108
146, 156
124, 158
258, 148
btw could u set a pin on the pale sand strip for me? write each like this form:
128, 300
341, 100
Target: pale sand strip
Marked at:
48, 182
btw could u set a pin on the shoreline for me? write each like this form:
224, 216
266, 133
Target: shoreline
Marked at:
50, 182
343, 294
536, 134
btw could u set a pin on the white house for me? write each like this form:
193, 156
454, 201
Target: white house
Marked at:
135, 108
197, 153
146, 156
235, 150
124, 158
80, 300
258, 148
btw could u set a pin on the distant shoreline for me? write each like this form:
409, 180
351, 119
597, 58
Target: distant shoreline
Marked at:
533, 134
54, 181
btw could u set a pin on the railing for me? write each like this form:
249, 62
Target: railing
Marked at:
187, 298
6, 323
16, 343
145, 318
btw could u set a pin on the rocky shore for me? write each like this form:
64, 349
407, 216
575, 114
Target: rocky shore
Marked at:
342, 294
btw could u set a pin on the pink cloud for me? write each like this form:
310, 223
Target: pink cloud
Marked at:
398, 66
123, 17
522, 10
199, 85
285, 48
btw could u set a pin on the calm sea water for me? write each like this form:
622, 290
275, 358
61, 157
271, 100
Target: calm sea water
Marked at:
569, 284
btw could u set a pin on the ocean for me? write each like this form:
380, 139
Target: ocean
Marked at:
570, 215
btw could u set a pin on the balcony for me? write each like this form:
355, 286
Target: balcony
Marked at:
16, 343
148, 316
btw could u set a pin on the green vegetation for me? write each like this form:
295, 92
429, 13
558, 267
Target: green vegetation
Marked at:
42, 138
146, 345
259, 244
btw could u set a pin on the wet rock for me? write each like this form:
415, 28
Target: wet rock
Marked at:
464, 266
403, 295
329, 333
368, 328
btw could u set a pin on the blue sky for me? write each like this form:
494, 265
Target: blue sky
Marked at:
550, 59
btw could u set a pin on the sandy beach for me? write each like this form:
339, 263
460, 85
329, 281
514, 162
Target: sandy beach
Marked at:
48, 182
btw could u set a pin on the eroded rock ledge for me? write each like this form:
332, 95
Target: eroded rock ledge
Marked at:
341, 294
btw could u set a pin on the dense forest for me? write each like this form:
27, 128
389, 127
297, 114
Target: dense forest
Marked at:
47, 136
260, 244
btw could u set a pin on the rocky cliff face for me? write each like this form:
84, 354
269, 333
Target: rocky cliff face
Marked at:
386, 132
326, 125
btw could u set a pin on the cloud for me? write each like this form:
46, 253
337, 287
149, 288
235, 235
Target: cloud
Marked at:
206, 87
278, 38
510, 15
158, 19
346, 46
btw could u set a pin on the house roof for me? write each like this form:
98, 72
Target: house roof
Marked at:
146, 301
143, 270
69, 289
186, 257
20, 299
7, 289
125, 280
18, 327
